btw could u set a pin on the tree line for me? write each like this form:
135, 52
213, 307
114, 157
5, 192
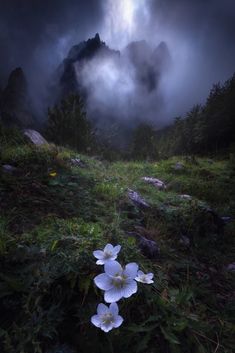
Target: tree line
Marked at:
206, 129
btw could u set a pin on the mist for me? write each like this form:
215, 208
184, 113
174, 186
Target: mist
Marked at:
199, 36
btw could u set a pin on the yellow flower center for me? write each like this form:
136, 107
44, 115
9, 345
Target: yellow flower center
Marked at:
107, 255
107, 318
119, 280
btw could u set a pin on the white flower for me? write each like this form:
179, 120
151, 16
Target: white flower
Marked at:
107, 318
116, 281
109, 253
144, 278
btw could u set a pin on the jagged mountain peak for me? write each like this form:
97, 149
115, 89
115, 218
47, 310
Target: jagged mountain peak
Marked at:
80, 53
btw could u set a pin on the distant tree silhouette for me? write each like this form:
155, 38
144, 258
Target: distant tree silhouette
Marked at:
67, 124
144, 142
205, 129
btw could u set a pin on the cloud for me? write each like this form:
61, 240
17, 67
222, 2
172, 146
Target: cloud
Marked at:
37, 35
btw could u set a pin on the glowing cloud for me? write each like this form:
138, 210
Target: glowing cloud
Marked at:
120, 25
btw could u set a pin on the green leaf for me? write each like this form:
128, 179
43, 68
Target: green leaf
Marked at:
54, 244
169, 336
180, 325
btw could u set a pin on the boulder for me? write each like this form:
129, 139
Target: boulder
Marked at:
148, 247
35, 137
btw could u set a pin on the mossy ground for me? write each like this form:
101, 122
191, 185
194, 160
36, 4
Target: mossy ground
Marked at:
54, 215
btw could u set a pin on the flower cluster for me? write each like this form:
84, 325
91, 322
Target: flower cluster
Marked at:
117, 282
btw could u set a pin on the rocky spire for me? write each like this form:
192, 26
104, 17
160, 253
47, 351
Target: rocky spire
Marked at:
15, 107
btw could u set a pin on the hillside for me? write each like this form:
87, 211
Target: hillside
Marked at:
58, 206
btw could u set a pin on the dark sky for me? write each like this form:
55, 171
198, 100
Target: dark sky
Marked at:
37, 35
30, 27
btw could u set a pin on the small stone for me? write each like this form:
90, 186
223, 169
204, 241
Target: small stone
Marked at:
226, 219
137, 199
155, 182
7, 168
185, 197
231, 267
78, 162
179, 166
185, 241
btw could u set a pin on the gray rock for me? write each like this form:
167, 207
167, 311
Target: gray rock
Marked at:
226, 219
7, 168
149, 248
179, 166
231, 267
35, 137
155, 182
78, 162
185, 197
137, 199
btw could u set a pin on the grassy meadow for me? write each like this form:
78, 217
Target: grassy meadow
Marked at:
56, 212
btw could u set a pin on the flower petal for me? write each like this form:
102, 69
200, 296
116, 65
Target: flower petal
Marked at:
139, 279
108, 248
116, 249
140, 273
113, 257
131, 270
112, 268
118, 321
113, 295
103, 281
113, 308
102, 309
100, 262
150, 275
129, 289
150, 281
106, 327
98, 254
96, 320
